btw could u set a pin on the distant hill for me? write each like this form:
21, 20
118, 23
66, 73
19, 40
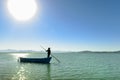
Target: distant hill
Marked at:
99, 51
12, 50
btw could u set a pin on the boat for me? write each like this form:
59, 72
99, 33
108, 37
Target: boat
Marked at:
35, 60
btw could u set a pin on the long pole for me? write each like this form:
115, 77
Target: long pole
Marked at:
51, 54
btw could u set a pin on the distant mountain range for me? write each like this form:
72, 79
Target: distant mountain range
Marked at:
12, 50
99, 51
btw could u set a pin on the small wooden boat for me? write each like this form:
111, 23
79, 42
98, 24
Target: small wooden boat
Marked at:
35, 60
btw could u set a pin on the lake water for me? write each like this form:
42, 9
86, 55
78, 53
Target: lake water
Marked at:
73, 66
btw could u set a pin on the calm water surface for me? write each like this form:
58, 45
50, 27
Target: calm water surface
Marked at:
73, 66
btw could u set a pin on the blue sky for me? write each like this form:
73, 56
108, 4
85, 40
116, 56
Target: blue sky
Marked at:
70, 25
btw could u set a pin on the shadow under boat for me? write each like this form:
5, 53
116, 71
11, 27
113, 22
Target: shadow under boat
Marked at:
35, 60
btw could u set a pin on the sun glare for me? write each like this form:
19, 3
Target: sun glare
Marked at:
22, 10
17, 55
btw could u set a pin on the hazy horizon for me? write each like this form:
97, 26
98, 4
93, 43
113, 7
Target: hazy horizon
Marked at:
30, 50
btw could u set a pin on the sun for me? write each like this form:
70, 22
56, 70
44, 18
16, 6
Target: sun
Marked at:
22, 10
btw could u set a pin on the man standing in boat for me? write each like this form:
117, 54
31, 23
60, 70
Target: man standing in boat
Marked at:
48, 52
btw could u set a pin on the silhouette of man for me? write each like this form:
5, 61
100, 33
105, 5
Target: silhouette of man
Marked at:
48, 52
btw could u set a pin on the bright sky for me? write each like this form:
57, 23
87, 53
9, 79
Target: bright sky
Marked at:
70, 25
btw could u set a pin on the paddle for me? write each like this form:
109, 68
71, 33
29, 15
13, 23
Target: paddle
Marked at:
51, 54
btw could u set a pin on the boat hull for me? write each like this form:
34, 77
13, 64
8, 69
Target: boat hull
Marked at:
35, 60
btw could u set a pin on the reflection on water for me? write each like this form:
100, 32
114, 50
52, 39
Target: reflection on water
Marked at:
30, 71
48, 71
20, 74
17, 55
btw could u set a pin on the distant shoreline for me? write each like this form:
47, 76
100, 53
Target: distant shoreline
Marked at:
30, 51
